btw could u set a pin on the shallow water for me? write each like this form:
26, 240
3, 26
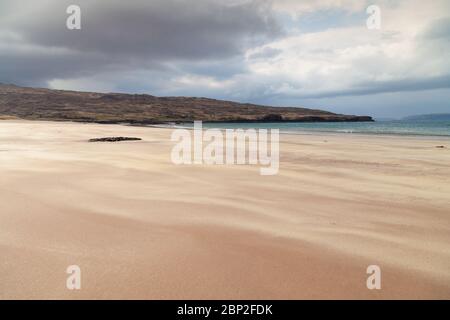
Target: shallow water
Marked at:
397, 127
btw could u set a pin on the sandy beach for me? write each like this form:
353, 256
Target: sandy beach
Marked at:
141, 227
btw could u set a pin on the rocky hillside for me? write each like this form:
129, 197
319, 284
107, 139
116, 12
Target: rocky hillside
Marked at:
46, 104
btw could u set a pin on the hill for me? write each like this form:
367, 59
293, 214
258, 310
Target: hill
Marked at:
61, 105
430, 117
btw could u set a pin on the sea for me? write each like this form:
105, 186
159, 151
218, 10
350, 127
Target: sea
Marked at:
439, 128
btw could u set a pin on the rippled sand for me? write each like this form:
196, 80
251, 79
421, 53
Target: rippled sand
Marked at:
140, 227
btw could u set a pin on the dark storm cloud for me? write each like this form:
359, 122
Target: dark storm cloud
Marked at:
138, 34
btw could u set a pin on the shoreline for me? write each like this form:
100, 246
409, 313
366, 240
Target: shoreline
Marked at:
282, 132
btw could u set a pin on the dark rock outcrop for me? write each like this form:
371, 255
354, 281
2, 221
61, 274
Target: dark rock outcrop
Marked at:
114, 139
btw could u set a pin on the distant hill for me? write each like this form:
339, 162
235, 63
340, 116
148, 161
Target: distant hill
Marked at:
47, 104
430, 117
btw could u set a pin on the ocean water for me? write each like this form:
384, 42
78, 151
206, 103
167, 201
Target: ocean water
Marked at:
398, 127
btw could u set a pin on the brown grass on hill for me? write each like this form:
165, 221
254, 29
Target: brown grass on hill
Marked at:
47, 104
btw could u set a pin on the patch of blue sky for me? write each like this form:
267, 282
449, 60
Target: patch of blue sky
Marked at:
323, 19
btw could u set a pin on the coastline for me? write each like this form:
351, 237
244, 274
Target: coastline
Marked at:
141, 227
282, 131
312, 132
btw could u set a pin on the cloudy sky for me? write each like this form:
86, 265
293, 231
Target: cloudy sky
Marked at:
312, 53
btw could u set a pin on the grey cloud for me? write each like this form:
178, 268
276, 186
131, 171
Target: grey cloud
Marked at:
266, 53
139, 34
218, 69
168, 29
371, 88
